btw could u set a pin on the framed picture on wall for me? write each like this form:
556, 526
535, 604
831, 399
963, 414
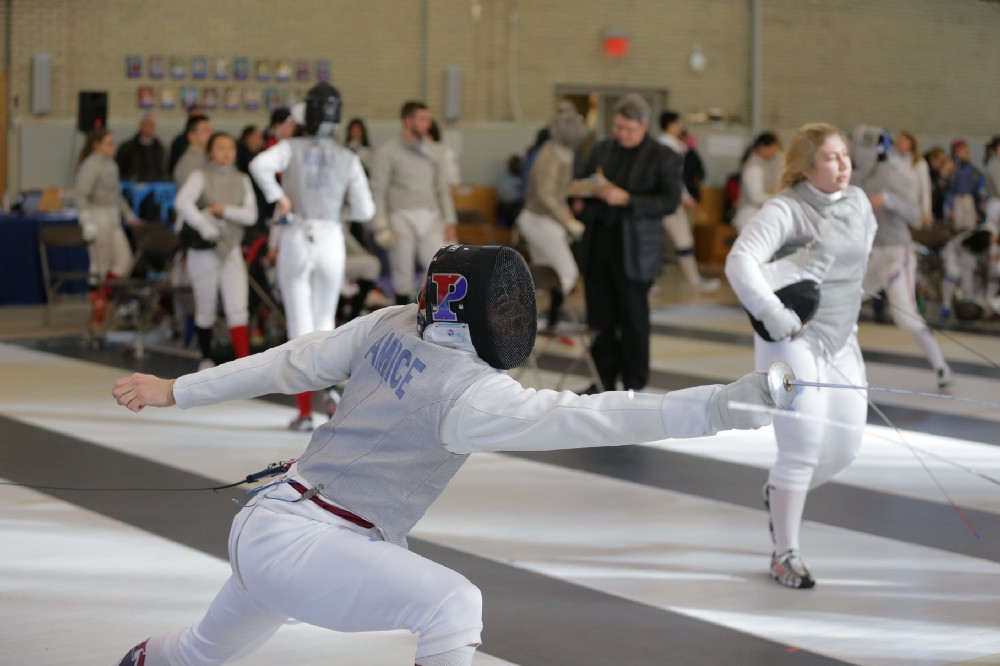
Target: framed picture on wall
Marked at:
301, 70
272, 98
157, 67
251, 99
178, 67
199, 67
221, 69
209, 98
283, 71
133, 66
262, 70
231, 99
322, 70
189, 96
145, 97
241, 69
168, 98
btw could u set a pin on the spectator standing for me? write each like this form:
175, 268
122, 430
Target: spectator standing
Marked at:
357, 140
180, 142
677, 224
143, 157
414, 209
282, 126
758, 176
622, 248
964, 201
199, 131
907, 148
510, 192
694, 167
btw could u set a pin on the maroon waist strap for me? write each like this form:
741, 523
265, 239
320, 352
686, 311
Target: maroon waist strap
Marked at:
326, 506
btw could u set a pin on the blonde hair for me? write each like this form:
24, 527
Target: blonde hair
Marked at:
915, 150
802, 149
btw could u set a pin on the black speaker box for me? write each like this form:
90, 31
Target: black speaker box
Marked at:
92, 110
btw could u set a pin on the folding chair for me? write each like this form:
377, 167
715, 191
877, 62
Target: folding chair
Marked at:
58, 236
574, 329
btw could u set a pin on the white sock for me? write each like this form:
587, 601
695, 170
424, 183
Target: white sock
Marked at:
786, 514
689, 267
458, 657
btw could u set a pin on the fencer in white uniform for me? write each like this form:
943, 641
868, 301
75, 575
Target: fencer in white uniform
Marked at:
318, 176
806, 249
546, 223
892, 267
326, 542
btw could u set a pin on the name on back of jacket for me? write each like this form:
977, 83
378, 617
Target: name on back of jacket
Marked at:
394, 363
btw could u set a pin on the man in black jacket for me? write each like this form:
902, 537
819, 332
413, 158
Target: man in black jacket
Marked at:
143, 158
622, 249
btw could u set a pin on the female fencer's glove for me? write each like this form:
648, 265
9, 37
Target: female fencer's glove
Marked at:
779, 320
88, 229
750, 389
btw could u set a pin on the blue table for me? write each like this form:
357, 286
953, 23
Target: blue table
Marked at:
20, 266
163, 196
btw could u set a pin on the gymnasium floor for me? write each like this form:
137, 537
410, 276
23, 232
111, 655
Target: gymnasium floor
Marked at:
629, 556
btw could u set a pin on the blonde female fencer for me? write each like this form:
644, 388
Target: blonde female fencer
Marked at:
797, 267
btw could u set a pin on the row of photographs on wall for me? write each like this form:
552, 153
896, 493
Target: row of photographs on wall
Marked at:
229, 98
222, 69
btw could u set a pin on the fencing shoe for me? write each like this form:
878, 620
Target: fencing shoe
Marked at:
944, 377
789, 570
302, 423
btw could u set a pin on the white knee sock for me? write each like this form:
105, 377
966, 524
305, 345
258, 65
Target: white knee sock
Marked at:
459, 657
786, 514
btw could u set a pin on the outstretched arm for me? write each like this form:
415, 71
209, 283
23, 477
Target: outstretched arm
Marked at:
138, 390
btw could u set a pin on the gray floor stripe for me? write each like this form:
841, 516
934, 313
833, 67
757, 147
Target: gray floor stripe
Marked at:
858, 509
531, 619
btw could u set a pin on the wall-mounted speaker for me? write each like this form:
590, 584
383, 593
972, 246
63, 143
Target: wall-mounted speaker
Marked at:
92, 110
452, 93
41, 84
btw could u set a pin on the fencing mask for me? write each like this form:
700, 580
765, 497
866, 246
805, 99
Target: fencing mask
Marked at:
483, 297
869, 146
322, 109
795, 279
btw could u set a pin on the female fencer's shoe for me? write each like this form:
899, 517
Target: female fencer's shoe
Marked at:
789, 570
944, 377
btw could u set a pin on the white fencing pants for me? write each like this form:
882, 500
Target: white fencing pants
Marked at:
894, 268
548, 245
210, 275
419, 234
109, 252
292, 559
310, 272
810, 453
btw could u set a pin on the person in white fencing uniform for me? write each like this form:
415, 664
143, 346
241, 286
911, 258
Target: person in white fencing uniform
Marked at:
326, 543
758, 176
414, 209
546, 223
677, 224
318, 175
797, 268
886, 178
101, 208
217, 203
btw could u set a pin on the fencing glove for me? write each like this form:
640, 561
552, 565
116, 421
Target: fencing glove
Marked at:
750, 389
575, 229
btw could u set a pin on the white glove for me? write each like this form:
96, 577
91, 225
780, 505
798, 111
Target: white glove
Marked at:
207, 228
575, 229
385, 238
779, 321
88, 230
750, 389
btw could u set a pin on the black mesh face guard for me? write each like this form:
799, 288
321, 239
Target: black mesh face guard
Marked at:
322, 108
802, 298
489, 289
